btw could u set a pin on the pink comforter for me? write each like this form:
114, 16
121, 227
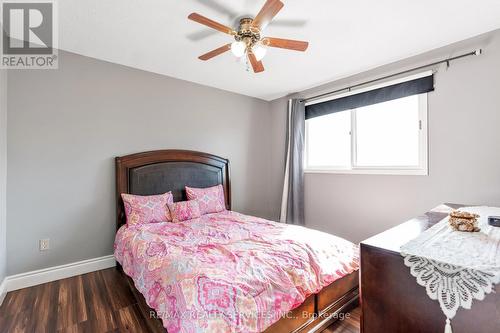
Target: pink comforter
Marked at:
229, 272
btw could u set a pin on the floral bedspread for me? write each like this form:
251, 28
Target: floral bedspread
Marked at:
229, 272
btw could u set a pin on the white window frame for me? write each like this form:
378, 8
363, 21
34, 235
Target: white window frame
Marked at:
421, 170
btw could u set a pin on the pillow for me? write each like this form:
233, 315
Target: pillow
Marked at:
147, 209
184, 210
210, 199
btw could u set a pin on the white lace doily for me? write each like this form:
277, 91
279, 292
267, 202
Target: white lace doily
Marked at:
456, 267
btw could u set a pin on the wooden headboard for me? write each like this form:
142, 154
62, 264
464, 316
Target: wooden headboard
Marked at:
160, 171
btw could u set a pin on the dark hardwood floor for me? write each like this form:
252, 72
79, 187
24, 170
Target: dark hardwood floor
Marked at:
102, 301
349, 325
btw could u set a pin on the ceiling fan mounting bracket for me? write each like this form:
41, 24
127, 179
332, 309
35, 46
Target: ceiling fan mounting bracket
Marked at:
247, 32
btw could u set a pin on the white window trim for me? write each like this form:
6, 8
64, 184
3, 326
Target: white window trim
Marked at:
421, 170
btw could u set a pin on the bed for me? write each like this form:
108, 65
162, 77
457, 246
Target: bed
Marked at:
227, 272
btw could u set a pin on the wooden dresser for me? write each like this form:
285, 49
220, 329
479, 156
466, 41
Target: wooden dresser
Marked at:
393, 302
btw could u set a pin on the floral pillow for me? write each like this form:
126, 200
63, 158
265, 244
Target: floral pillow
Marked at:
210, 199
184, 210
147, 209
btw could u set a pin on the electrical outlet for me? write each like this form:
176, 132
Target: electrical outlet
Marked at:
44, 244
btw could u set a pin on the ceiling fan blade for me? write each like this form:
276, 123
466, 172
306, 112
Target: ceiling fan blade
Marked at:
289, 44
215, 52
210, 23
256, 65
267, 13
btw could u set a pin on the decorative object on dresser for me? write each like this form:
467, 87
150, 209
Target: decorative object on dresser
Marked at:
463, 221
389, 288
494, 221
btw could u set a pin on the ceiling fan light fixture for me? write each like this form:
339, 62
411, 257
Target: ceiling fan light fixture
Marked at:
259, 51
238, 48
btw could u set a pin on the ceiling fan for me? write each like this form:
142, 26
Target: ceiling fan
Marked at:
248, 39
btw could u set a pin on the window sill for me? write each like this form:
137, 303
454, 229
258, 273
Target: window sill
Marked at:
394, 172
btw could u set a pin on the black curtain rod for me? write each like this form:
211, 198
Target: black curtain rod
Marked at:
444, 61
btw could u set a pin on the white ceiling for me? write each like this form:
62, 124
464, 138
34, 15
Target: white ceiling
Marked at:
346, 37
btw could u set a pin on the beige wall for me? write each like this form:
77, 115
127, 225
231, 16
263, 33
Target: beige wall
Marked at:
464, 146
3, 174
67, 125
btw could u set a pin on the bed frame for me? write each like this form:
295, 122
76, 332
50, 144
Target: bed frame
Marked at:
161, 171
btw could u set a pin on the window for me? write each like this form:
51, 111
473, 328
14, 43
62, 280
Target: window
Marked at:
383, 138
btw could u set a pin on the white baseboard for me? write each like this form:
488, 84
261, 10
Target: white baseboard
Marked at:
3, 290
29, 279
